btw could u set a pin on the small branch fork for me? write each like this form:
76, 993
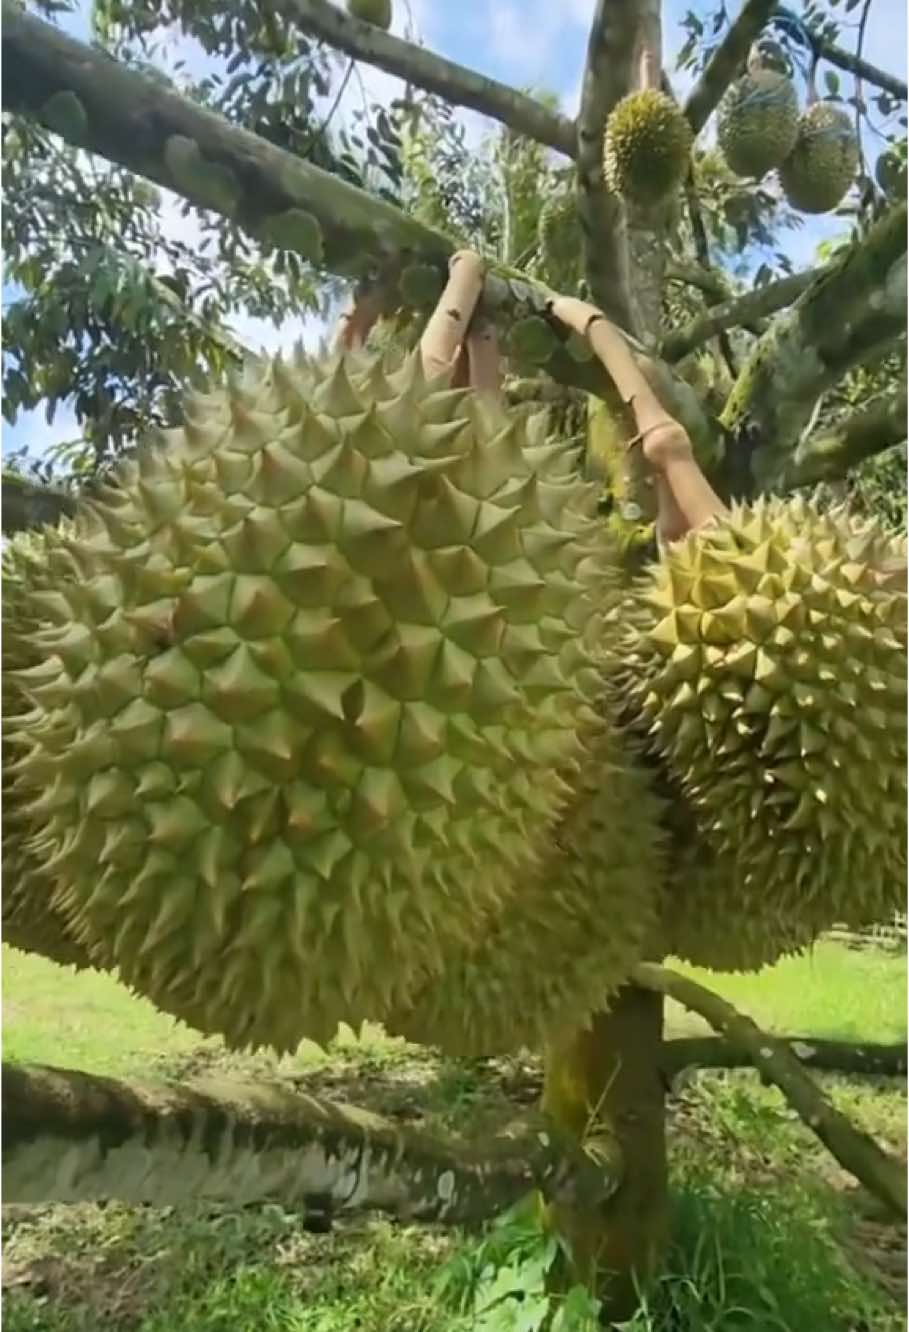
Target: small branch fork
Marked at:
882, 1174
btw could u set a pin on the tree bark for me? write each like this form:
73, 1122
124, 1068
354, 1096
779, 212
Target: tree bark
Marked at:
604, 1085
455, 83
70, 1136
831, 1056
853, 311
857, 1152
832, 452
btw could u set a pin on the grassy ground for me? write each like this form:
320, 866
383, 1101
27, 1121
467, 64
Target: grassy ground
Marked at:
766, 1223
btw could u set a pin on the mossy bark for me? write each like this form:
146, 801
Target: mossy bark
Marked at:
605, 1085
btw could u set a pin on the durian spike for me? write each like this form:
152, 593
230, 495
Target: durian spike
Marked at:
448, 322
666, 445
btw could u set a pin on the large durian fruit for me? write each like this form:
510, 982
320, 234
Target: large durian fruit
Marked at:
758, 122
767, 656
314, 681
818, 172
647, 148
30, 921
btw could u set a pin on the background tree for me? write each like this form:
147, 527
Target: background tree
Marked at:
771, 383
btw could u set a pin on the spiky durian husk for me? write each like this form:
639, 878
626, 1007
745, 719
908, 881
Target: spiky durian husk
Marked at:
758, 122
560, 240
647, 148
769, 661
30, 921
311, 679
818, 172
573, 932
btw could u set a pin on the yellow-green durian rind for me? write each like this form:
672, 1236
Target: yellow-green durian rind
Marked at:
817, 174
758, 123
768, 658
312, 679
570, 937
30, 922
647, 148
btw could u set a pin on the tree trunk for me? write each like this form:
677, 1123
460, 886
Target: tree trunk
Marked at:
605, 1086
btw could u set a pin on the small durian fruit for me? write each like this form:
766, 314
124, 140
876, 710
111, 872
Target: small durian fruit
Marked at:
376, 12
818, 172
890, 171
758, 122
767, 655
647, 148
308, 687
560, 240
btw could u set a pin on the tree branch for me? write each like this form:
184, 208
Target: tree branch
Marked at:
834, 451
856, 309
726, 61
26, 504
835, 1056
881, 1174
847, 60
608, 76
737, 312
70, 1136
455, 83
130, 119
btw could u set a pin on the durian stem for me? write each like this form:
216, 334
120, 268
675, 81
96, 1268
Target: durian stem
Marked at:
881, 1174
605, 1083
447, 325
687, 500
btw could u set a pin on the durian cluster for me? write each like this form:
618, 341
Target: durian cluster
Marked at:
760, 129
335, 707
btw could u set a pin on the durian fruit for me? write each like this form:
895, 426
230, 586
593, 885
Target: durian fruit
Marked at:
647, 148
768, 658
560, 241
312, 681
376, 12
758, 122
30, 921
572, 933
818, 172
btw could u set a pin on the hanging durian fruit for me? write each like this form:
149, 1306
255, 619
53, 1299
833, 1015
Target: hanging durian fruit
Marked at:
561, 241
768, 656
30, 921
376, 12
313, 681
758, 122
647, 148
818, 172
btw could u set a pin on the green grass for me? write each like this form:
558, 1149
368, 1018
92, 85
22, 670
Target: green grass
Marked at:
770, 1235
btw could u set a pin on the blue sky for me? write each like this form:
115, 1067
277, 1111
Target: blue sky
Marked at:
521, 42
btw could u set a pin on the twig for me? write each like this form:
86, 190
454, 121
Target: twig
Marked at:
882, 1174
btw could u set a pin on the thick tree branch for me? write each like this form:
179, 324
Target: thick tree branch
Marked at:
847, 60
834, 1056
71, 1136
454, 83
26, 504
856, 309
726, 61
737, 312
102, 106
835, 450
608, 76
881, 1174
